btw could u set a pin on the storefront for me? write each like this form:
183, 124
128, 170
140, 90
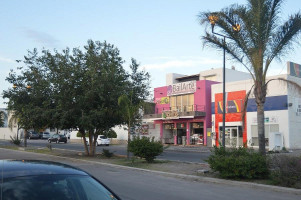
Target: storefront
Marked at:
282, 118
234, 134
184, 112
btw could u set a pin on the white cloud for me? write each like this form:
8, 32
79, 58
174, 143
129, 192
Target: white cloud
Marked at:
40, 37
3, 59
179, 63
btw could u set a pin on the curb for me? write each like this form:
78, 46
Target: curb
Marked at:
183, 176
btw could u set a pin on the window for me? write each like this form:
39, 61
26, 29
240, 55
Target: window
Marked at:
268, 128
182, 102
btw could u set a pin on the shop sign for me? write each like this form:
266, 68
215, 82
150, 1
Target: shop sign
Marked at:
170, 114
168, 126
181, 88
197, 125
181, 125
232, 106
162, 100
272, 119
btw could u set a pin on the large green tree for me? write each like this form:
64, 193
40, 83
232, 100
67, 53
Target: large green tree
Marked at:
75, 88
263, 36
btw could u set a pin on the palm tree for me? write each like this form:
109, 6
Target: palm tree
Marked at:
130, 114
262, 38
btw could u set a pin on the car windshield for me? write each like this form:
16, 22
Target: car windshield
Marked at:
54, 187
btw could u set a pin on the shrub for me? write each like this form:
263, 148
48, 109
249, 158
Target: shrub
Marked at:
286, 170
15, 140
238, 163
78, 134
107, 153
110, 133
145, 148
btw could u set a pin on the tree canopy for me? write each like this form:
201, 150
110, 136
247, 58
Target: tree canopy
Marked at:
74, 89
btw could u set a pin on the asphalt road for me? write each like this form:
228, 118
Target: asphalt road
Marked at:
198, 157
132, 184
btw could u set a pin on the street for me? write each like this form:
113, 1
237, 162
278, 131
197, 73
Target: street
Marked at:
132, 184
199, 157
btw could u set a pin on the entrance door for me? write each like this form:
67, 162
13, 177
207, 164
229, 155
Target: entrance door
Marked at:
233, 137
180, 133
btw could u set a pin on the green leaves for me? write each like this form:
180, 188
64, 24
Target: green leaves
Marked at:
74, 88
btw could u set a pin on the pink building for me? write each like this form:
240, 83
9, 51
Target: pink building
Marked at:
183, 109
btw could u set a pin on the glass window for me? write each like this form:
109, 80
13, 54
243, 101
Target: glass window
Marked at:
54, 187
179, 103
173, 103
185, 102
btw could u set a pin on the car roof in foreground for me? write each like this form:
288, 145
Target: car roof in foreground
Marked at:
16, 168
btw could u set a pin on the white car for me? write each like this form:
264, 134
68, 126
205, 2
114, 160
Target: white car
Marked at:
101, 140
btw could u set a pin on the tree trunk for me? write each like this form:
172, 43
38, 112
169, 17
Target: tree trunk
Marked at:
260, 124
260, 95
25, 138
85, 142
129, 139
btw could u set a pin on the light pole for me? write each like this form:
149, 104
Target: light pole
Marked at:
236, 27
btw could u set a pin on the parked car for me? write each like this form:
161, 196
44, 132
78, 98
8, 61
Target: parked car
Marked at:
32, 135
44, 135
57, 138
37, 180
101, 140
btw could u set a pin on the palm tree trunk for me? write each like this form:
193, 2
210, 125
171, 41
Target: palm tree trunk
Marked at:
129, 139
260, 123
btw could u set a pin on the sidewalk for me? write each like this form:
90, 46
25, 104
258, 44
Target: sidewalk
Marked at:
188, 148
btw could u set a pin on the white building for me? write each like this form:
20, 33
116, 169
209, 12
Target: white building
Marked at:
282, 112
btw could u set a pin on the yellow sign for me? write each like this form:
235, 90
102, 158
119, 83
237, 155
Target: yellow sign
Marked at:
164, 100
208, 134
170, 114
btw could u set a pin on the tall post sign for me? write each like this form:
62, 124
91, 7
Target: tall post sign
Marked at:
181, 88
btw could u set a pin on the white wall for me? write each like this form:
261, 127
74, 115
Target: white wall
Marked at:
280, 117
231, 75
5, 133
171, 78
122, 132
294, 97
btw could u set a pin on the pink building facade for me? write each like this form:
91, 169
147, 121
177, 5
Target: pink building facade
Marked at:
183, 112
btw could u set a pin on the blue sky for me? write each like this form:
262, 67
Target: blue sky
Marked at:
163, 35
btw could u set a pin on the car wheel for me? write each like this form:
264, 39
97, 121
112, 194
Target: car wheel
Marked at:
65, 142
57, 141
49, 141
107, 144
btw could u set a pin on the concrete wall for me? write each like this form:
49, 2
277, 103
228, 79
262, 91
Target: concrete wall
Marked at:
231, 75
5, 133
294, 110
171, 78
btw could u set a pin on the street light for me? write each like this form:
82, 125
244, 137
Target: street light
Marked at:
236, 27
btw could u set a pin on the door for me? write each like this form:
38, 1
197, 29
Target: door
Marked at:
233, 136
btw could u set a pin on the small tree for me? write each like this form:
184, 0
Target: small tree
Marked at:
145, 148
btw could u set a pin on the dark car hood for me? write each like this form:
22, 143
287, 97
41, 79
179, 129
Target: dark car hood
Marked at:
15, 168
